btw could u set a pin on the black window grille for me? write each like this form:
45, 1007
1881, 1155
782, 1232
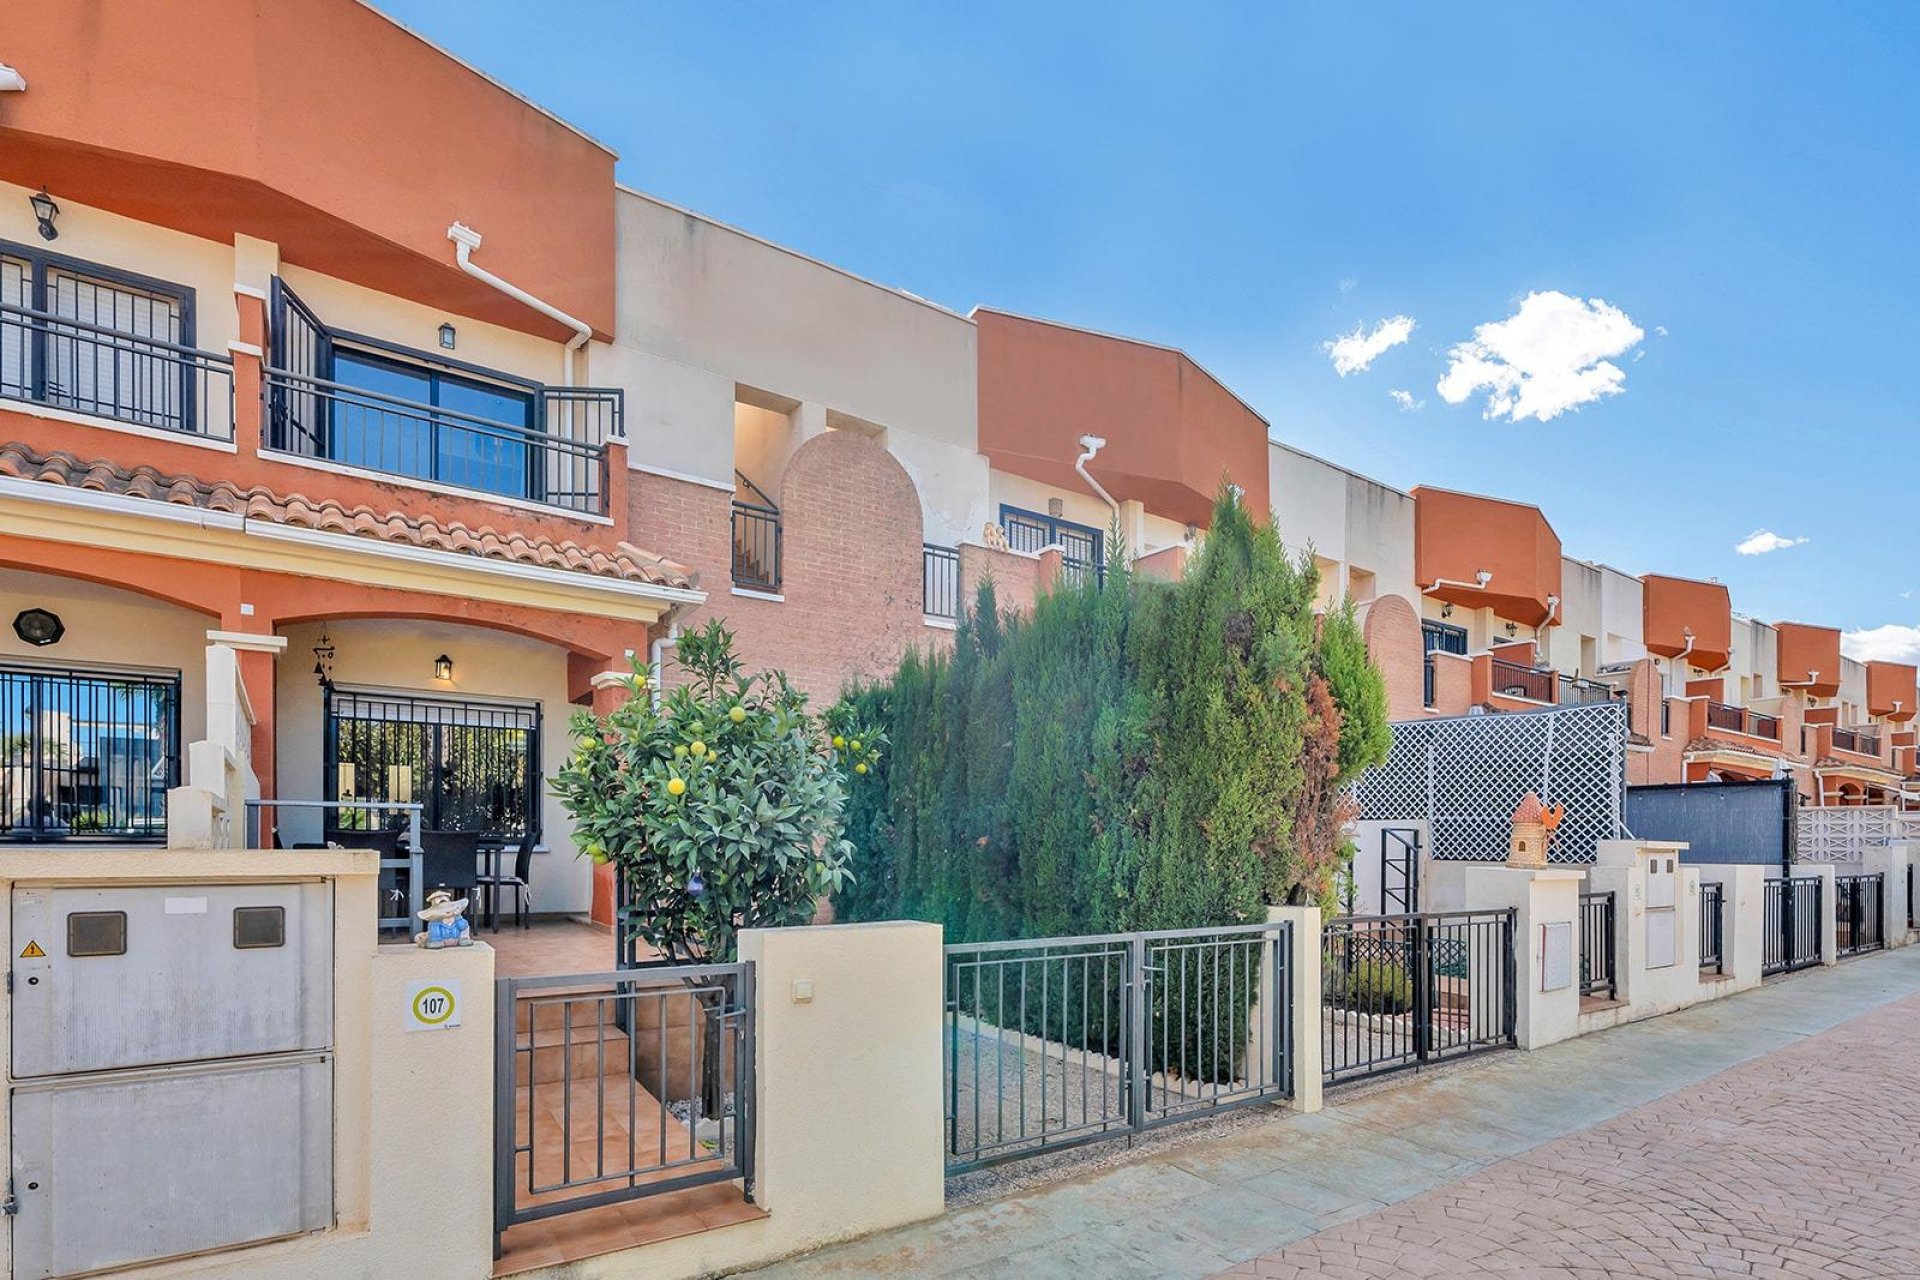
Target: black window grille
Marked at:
471, 765
106, 343
87, 755
1081, 547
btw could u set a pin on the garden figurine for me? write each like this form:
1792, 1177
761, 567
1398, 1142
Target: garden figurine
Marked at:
446, 918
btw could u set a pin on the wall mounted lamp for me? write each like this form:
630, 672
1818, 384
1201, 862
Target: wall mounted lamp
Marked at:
45, 211
448, 336
443, 668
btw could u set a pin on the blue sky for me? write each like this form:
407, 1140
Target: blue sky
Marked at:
1739, 181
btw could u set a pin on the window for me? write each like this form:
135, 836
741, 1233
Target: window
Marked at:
1080, 545
1442, 637
87, 755
472, 766
74, 335
365, 403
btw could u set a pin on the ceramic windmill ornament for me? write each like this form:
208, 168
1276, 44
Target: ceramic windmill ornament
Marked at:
1527, 846
446, 918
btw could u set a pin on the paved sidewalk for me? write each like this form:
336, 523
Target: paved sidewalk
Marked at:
1550, 1163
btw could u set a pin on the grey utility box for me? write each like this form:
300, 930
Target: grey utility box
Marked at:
172, 1071
133, 1166
148, 974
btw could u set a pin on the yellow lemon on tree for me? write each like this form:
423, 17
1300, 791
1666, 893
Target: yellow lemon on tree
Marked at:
855, 744
861, 767
680, 752
698, 748
598, 852
737, 714
839, 741
676, 787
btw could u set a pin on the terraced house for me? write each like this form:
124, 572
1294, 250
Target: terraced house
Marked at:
339, 469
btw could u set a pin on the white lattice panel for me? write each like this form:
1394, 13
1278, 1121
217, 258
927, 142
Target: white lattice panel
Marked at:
1464, 776
1843, 834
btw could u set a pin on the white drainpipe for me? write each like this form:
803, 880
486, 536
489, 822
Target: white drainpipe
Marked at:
657, 659
466, 240
1092, 445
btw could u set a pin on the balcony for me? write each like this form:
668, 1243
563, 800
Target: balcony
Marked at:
1515, 680
756, 539
1732, 719
940, 581
101, 372
1860, 741
555, 454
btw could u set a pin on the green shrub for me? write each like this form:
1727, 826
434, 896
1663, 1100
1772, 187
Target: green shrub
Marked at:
1374, 986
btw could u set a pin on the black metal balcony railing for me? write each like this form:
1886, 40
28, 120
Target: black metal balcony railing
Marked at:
1864, 742
102, 372
940, 581
756, 539
1513, 680
1426, 680
560, 463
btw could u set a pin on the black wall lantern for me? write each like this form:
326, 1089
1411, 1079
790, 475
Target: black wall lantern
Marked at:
39, 627
45, 211
443, 668
447, 336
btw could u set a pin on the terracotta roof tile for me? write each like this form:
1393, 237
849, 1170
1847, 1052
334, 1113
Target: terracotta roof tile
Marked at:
327, 515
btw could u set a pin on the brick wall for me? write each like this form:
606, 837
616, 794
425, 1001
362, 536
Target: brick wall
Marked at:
851, 562
1392, 631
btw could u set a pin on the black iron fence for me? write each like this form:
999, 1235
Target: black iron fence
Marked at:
1857, 906
1058, 1041
1598, 945
556, 454
102, 372
87, 755
1791, 924
1516, 680
1713, 928
1401, 990
614, 1086
940, 581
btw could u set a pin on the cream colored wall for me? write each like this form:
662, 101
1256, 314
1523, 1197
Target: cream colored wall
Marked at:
1753, 668
1362, 528
360, 310
763, 440
110, 628
398, 655
704, 309
1853, 692
848, 1139
1143, 533
1601, 618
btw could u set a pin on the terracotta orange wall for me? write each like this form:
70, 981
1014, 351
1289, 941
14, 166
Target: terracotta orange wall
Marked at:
321, 126
1672, 606
1889, 683
1172, 431
1455, 535
1805, 649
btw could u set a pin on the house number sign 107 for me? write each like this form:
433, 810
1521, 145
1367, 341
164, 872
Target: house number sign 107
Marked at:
433, 1006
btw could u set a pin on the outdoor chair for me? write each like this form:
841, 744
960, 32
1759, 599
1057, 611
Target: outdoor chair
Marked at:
449, 860
517, 881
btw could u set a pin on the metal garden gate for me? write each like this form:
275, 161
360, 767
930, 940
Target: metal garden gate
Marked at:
1857, 903
1402, 990
602, 1083
1400, 869
1791, 932
1055, 1042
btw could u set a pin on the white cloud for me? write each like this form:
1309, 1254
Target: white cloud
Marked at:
1406, 401
1891, 643
1353, 352
1347, 284
1660, 329
1761, 541
1554, 354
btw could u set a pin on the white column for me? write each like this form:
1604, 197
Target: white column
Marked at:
1303, 969
1546, 906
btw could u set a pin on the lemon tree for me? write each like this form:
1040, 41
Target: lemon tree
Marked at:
721, 804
